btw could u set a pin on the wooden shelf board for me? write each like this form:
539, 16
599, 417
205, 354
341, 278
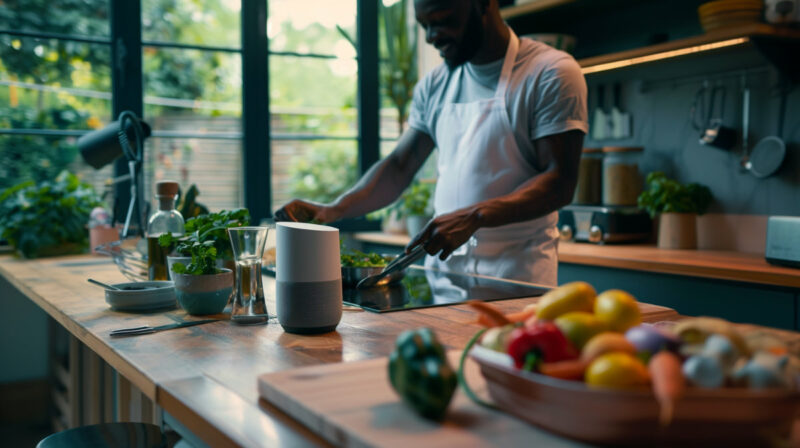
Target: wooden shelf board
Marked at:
722, 265
510, 12
747, 32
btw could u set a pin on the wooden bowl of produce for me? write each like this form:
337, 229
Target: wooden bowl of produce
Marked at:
585, 366
720, 417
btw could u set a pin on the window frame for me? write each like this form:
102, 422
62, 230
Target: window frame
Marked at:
127, 93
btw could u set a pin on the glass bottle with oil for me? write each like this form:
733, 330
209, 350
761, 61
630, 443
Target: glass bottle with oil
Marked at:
166, 220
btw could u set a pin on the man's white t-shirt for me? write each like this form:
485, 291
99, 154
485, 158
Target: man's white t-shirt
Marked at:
546, 93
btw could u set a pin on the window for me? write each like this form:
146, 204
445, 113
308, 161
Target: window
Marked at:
55, 85
313, 74
192, 76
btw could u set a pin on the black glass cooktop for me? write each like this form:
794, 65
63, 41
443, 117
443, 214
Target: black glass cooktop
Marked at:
423, 288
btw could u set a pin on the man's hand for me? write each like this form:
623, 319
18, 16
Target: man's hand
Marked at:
306, 211
447, 233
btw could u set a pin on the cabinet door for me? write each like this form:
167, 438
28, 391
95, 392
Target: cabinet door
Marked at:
690, 296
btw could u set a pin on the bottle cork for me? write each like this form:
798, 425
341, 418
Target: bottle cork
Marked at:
168, 188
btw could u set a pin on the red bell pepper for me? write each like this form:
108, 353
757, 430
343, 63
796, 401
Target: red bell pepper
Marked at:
545, 342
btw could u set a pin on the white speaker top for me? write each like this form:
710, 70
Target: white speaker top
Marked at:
307, 252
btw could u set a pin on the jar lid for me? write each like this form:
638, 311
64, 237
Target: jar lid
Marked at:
622, 148
592, 150
166, 188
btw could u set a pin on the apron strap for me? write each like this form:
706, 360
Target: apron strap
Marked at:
508, 65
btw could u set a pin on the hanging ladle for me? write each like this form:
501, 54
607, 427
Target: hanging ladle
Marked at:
767, 155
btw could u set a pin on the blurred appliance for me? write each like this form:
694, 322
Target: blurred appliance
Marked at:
603, 224
782, 12
783, 241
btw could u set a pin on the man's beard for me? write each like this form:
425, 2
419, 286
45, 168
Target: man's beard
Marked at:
470, 43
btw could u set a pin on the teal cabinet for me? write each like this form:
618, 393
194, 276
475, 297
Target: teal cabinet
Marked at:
694, 296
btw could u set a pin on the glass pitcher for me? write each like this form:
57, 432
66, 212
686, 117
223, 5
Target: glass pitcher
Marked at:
249, 305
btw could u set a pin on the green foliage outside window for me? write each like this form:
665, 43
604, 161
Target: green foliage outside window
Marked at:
323, 175
47, 218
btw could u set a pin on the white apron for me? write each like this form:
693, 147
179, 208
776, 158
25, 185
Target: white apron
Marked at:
479, 159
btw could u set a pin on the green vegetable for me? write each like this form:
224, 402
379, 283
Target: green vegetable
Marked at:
353, 258
211, 227
420, 373
49, 218
664, 195
204, 260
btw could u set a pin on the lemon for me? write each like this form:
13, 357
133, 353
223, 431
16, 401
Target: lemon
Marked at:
575, 296
617, 309
578, 327
616, 370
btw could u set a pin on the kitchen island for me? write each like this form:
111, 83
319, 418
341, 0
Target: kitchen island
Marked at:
204, 378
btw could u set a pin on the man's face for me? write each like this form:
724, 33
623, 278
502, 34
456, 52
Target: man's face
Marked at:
454, 27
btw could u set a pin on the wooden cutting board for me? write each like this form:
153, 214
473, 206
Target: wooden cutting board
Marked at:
353, 405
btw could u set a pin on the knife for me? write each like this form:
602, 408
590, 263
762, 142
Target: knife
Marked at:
135, 331
398, 264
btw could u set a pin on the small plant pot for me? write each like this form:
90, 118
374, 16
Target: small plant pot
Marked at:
204, 294
391, 224
415, 224
677, 231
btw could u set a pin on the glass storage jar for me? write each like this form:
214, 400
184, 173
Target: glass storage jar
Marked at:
589, 190
622, 183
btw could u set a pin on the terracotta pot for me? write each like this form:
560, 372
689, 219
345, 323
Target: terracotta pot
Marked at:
677, 231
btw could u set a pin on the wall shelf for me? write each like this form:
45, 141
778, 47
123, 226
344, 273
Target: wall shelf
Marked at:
763, 36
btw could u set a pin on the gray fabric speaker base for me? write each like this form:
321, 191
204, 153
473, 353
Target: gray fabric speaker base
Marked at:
309, 307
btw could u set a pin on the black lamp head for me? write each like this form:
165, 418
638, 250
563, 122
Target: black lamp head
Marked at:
101, 147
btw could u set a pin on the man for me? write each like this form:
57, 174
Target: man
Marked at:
508, 116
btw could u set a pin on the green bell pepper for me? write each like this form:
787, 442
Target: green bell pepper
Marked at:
420, 373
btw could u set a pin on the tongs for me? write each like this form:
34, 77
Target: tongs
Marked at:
398, 264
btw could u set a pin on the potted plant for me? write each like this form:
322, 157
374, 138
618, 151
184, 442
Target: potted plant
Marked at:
201, 287
48, 218
677, 207
414, 206
209, 227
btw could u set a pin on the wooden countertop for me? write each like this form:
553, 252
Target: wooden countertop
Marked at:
723, 265
205, 376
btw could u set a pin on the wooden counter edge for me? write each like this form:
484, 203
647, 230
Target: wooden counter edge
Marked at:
754, 269
98, 346
226, 419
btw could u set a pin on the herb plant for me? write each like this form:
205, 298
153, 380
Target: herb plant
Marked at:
664, 195
211, 227
48, 218
204, 260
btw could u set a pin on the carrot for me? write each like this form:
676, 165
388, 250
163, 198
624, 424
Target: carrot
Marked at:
572, 369
490, 316
668, 382
520, 316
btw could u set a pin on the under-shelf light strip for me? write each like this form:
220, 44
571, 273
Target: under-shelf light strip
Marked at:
663, 55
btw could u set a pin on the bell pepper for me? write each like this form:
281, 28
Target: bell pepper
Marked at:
542, 343
420, 373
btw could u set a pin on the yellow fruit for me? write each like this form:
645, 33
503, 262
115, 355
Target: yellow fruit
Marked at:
617, 370
617, 309
605, 343
579, 327
575, 296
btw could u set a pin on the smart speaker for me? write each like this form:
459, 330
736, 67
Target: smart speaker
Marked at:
308, 274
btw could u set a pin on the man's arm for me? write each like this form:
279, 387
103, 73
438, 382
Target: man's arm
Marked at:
379, 187
557, 156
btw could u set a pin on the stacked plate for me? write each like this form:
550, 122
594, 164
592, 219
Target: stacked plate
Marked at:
142, 296
729, 13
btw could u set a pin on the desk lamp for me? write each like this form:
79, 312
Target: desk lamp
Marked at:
124, 136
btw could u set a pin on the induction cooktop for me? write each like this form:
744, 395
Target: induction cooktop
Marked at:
424, 288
